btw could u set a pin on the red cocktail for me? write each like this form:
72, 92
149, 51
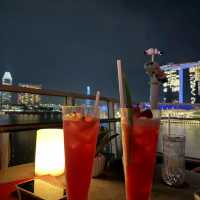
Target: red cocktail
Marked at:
81, 127
139, 153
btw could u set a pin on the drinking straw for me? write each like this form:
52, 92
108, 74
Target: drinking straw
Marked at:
169, 125
184, 118
125, 102
121, 84
152, 57
97, 99
124, 91
96, 104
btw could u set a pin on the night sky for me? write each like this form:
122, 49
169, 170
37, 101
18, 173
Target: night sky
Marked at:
69, 44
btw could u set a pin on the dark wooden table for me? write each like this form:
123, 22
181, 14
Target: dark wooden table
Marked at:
105, 189
163, 192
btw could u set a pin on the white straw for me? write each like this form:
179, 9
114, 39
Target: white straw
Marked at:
97, 99
169, 125
152, 58
121, 84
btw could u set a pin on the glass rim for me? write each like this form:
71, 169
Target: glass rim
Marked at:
155, 112
174, 137
81, 106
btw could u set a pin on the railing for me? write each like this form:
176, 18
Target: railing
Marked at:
73, 95
70, 98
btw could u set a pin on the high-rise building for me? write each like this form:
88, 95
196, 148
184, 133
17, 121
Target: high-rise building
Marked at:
6, 97
27, 98
183, 84
88, 92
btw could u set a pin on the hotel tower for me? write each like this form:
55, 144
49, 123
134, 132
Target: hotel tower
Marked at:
183, 84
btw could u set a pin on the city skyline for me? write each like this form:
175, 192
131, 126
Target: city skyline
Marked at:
9, 99
67, 45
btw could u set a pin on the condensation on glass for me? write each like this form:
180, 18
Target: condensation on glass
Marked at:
173, 169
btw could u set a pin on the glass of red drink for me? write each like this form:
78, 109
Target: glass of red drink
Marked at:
139, 139
81, 127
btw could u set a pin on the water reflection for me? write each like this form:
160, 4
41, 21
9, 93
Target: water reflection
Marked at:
10, 119
192, 133
23, 143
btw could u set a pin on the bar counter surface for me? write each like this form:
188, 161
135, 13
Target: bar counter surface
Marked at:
109, 186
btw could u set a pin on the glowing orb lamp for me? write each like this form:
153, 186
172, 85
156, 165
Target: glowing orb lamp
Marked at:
49, 155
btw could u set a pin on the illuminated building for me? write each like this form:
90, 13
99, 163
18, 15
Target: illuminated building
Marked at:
6, 97
171, 87
88, 92
27, 98
183, 84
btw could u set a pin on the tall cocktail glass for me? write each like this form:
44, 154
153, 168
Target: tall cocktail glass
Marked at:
139, 140
81, 127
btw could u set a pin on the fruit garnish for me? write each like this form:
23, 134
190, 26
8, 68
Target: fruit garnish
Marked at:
136, 111
73, 116
146, 113
88, 118
79, 116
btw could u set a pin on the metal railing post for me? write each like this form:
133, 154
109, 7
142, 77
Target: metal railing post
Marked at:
4, 150
112, 127
70, 101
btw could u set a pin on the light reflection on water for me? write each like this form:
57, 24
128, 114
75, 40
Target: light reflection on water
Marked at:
29, 118
192, 133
